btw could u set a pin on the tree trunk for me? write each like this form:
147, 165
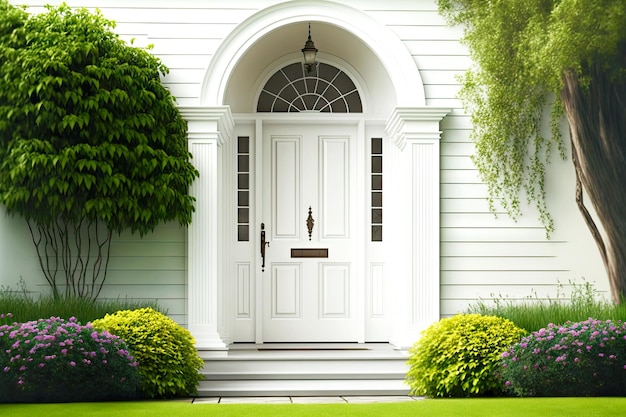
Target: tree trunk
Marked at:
597, 118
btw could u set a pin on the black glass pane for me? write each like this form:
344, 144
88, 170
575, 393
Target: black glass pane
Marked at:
310, 85
280, 106
243, 144
265, 102
289, 93
332, 94
276, 82
309, 101
354, 102
339, 106
377, 182
294, 71
377, 199
243, 163
322, 87
377, 233
327, 72
377, 216
243, 215
243, 198
243, 233
344, 83
377, 164
243, 181
377, 146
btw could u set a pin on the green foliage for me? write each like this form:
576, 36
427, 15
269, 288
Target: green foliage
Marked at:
574, 359
24, 307
577, 303
89, 138
168, 360
459, 356
54, 360
521, 49
89, 130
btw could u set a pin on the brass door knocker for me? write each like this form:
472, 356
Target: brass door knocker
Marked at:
310, 222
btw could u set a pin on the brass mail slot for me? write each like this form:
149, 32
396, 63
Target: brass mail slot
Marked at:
309, 253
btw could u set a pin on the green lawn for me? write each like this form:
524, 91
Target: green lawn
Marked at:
500, 407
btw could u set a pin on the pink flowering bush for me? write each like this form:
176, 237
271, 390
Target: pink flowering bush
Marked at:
55, 360
575, 359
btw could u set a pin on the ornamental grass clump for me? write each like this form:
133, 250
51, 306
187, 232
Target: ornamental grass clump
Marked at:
55, 360
459, 356
169, 363
575, 359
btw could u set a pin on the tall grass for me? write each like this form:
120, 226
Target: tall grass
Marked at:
24, 307
535, 313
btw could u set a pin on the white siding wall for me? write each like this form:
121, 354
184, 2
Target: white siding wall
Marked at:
481, 255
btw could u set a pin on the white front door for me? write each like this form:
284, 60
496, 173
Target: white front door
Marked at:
310, 283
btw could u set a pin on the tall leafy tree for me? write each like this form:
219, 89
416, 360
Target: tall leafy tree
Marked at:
91, 142
569, 55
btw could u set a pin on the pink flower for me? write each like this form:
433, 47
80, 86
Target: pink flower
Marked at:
72, 363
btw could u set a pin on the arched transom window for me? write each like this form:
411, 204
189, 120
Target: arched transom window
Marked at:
327, 89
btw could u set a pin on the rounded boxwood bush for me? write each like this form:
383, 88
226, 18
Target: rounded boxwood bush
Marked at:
575, 359
459, 356
168, 361
55, 360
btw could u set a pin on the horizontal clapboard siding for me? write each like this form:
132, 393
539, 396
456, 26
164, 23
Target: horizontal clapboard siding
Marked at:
150, 268
481, 254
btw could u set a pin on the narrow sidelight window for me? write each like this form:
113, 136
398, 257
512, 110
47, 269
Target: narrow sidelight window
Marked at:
377, 189
243, 189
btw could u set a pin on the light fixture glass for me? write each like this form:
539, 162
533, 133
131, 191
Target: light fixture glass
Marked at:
309, 52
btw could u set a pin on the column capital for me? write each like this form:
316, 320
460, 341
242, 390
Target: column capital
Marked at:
208, 122
415, 123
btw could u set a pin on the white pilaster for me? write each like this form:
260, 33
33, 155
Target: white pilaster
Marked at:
414, 207
208, 129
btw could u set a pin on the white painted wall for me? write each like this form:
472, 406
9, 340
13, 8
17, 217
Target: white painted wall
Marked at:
480, 255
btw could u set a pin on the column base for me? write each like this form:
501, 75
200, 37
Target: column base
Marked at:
207, 338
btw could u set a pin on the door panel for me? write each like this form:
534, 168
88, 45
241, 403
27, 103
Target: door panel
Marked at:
309, 299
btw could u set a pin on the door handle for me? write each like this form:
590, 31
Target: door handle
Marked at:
264, 243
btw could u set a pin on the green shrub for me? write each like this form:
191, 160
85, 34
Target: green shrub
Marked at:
168, 360
459, 356
55, 360
575, 359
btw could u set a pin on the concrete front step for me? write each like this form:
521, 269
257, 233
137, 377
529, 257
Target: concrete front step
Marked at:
298, 388
304, 370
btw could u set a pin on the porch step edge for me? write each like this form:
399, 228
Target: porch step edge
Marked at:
260, 376
302, 388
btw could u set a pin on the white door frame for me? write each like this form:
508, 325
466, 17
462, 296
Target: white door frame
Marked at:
415, 214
